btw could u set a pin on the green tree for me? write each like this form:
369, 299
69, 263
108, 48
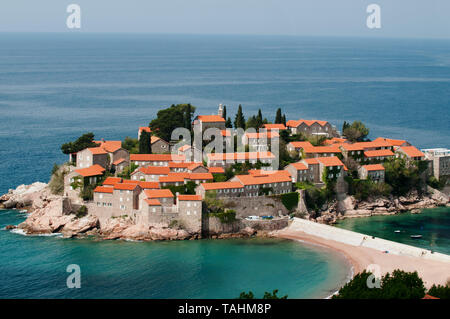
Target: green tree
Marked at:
398, 285
224, 115
402, 176
278, 117
131, 144
144, 143
188, 117
356, 132
440, 291
267, 295
252, 122
228, 123
239, 121
284, 119
84, 141
171, 118
259, 119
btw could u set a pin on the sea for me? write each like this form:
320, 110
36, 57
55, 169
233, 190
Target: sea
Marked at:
55, 87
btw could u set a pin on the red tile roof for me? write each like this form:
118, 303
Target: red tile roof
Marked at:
210, 118
427, 296
225, 133
152, 202
374, 167
93, 170
303, 144
174, 177
311, 161
111, 146
112, 180
412, 151
299, 166
155, 170
322, 149
184, 148
126, 186
274, 126
390, 141
200, 176
265, 178
189, 197
158, 193
293, 123
378, 153
103, 189
334, 140
157, 157
330, 161
97, 150
149, 185
120, 160
216, 170
221, 185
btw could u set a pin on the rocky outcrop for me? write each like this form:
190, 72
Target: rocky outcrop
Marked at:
349, 207
22, 196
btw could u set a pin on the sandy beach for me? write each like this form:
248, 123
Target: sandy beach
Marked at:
431, 271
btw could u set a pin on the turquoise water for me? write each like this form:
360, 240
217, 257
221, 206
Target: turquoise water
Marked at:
35, 267
432, 224
54, 87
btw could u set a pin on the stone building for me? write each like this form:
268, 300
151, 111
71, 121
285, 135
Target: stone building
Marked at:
440, 162
312, 128
375, 172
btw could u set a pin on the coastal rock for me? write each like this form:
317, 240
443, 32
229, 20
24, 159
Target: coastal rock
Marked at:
248, 231
80, 225
9, 227
23, 195
358, 213
347, 204
326, 218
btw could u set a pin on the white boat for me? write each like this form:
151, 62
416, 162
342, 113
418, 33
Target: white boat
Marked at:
396, 231
416, 236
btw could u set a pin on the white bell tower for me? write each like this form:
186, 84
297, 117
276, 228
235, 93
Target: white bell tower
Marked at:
220, 112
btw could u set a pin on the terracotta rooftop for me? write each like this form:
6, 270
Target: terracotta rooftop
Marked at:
299, 166
303, 144
112, 180
412, 151
93, 170
210, 118
149, 185
103, 189
216, 170
120, 160
152, 202
174, 177
184, 148
293, 123
189, 197
200, 176
265, 178
158, 193
155, 170
126, 186
311, 161
390, 141
97, 150
221, 185
374, 167
330, 161
378, 153
274, 126
262, 135
145, 128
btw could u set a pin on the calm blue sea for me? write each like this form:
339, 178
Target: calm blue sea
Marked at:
54, 87
35, 267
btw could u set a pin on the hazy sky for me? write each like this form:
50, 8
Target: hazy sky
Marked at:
399, 18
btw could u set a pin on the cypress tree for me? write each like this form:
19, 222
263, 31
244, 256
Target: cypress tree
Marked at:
278, 119
239, 121
228, 123
187, 117
224, 115
144, 143
284, 119
259, 119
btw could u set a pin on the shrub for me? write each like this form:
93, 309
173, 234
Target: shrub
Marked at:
81, 212
226, 217
399, 285
290, 200
439, 291
435, 183
56, 183
267, 295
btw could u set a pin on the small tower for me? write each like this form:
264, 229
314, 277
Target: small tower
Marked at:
220, 112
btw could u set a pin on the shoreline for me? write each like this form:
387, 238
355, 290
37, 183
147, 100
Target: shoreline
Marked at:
362, 257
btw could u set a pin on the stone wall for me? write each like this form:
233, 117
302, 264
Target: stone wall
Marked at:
256, 206
212, 225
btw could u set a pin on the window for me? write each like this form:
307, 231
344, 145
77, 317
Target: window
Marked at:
188, 213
